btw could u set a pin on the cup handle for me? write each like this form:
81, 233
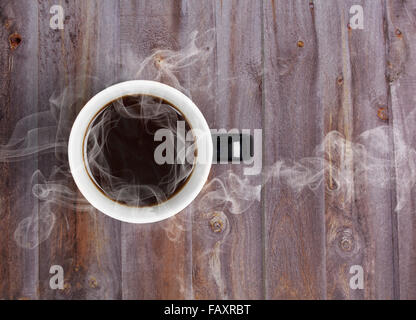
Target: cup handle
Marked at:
232, 148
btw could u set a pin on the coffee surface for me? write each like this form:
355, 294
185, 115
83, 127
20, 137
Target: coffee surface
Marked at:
121, 151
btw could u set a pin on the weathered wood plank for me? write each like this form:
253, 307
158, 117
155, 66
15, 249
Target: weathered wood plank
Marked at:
56, 69
75, 63
353, 92
293, 125
319, 77
227, 242
401, 74
156, 258
18, 86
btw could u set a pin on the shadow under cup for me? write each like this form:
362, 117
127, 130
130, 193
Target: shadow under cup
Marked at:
140, 150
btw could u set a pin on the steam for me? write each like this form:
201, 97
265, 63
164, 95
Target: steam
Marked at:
46, 134
230, 192
123, 187
338, 164
170, 66
341, 167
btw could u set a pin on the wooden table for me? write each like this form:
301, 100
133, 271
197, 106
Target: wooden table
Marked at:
295, 69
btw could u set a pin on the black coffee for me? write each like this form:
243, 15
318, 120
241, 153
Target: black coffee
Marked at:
121, 150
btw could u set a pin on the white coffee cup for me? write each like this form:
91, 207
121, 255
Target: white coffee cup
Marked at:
77, 152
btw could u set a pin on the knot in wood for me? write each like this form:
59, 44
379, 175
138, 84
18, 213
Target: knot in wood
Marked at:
332, 184
92, 282
15, 39
158, 61
382, 114
216, 223
346, 240
398, 33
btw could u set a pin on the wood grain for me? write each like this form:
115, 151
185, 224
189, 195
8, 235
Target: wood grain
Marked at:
401, 24
73, 66
156, 258
227, 247
18, 266
295, 69
353, 90
294, 221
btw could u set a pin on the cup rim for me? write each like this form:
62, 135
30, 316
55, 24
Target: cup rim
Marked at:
112, 208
